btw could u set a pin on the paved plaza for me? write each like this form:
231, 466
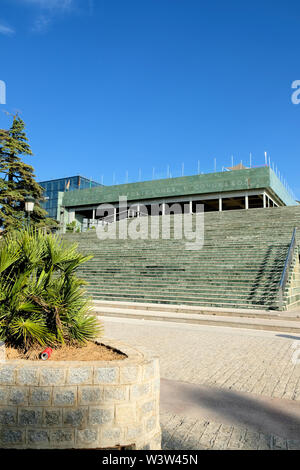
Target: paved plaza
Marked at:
222, 388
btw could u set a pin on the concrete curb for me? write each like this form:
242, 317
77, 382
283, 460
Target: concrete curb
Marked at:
269, 323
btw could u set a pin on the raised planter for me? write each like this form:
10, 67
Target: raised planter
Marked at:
81, 404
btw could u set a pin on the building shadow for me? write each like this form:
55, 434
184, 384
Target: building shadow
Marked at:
297, 338
259, 414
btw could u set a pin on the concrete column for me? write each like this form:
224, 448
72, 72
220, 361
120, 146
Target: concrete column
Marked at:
246, 202
93, 214
265, 200
115, 214
163, 208
138, 210
191, 207
220, 204
71, 216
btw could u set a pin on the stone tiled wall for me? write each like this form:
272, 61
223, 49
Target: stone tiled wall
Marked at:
239, 180
86, 404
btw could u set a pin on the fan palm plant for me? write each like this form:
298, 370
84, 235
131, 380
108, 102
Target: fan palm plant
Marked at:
42, 300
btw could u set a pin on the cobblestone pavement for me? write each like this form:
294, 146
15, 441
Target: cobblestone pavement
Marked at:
256, 362
185, 433
251, 361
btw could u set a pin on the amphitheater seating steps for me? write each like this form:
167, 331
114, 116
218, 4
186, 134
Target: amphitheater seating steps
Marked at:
239, 266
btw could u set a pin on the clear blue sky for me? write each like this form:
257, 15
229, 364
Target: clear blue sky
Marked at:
109, 86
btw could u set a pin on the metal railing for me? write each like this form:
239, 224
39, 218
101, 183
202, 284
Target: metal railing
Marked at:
286, 269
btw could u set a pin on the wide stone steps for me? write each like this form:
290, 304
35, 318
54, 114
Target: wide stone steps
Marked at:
240, 264
180, 291
205, 257
196, 293
186, 275
188, 296
100, 260
188, 300
239, 290
249, 240
251, 319
212, 283
102, 247
205, 264
217, 283
243, 274
187, 259
182, 267
167, 299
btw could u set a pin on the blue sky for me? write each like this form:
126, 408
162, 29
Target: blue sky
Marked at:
114, 86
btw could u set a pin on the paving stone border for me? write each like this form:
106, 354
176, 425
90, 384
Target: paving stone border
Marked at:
81, 404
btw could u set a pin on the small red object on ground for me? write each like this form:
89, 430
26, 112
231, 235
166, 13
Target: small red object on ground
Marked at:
46, 354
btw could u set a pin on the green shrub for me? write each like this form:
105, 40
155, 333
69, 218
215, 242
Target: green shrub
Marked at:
41, 298
71, 226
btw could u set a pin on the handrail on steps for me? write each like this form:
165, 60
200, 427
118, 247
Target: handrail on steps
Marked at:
286, 269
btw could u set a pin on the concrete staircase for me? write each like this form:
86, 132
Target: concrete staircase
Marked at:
239, 266
284, 322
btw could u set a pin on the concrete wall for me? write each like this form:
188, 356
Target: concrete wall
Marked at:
292, 300
279, 189
82, 404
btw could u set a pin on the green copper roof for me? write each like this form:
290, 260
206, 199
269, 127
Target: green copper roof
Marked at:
238, 180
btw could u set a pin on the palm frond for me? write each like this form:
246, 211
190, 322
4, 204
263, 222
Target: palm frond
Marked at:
41, 298
30, 330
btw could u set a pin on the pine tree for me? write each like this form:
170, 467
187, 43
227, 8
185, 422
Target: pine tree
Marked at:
17, 180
